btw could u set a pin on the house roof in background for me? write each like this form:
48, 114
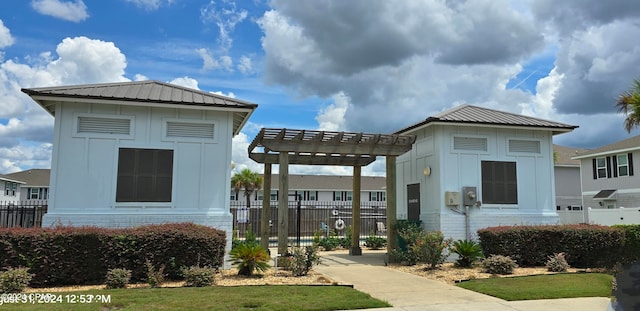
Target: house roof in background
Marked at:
330, 182
626, 145
33, 177
143, 92
9, 179
474, 115
564, 155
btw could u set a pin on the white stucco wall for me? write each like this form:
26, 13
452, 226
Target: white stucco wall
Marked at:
453, 169
84, 170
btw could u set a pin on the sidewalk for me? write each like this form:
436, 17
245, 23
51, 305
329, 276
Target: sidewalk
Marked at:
408, 292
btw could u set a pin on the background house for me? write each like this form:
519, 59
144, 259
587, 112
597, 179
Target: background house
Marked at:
323, 188
136, 153
473, 167
35, 186
567, 178
10, 188
608, 177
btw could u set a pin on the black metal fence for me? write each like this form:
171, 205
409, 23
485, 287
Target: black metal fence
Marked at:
309, 218
24, 214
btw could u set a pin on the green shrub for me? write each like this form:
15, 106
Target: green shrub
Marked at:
83, 255
585, 246
631, 245
375, 242
345, 242
408, 236
14, 280
498, 264
117, 278
468, 252
155, 277
301, 260
198, 276
329, 243
557, 263
249, 258
433, 249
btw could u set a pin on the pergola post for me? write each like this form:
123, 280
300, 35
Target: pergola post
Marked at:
392, 234
265, 229
355, 249
283, 203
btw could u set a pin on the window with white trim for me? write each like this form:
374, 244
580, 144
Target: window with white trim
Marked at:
378, 196
10, 188
38, 193
623, 165
601, 167
342, 196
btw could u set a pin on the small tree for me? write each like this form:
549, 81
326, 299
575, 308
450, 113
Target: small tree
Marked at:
246, 180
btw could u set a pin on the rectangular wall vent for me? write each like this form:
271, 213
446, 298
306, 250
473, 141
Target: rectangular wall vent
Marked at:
524, 146
470, 143
116, 126
190, 130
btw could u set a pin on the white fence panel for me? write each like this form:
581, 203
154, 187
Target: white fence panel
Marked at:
615, 216
571, 217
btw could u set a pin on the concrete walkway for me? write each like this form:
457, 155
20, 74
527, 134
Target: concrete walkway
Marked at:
405, 291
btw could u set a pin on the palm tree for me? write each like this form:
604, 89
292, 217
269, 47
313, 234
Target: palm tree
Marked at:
629, 104
246, 180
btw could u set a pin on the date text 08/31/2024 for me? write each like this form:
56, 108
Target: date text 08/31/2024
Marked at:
49, 298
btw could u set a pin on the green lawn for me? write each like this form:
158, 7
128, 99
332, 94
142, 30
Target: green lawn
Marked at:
275, 297
565, 285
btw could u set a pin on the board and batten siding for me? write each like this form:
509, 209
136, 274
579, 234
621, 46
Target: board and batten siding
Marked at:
455, 153
89, 170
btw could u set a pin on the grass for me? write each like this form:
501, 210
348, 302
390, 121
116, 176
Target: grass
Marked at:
564, 285
274, 297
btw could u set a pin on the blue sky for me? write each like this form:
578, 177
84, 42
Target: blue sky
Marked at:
362, 65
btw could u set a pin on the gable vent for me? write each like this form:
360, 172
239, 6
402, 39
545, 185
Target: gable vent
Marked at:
524, 146
104, 125
470, 143
190, 130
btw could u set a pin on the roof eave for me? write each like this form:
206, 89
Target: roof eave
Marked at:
604, 153
432, 121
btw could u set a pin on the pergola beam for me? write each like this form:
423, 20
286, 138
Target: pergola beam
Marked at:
313, 159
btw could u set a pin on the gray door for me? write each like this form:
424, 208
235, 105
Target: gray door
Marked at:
413, 202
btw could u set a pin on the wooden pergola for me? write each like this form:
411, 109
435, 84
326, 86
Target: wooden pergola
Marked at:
309, 147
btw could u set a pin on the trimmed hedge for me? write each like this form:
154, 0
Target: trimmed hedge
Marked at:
586, 246
83, 255
631, 251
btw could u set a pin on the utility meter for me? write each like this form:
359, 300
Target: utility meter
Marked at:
469, 196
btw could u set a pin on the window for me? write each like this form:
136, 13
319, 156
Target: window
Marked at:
144, 175
499, 182
342, 196
38, 193
601, 167
380, 196
274, 195
234, 195
307, 195
10, 188
613, 166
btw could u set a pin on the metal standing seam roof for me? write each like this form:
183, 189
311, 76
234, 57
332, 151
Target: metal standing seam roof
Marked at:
149, 91
468, 114
629, 144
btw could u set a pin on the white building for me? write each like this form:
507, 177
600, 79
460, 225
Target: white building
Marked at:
472, 168
136, 153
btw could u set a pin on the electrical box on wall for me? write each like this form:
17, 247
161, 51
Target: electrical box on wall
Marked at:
469, 196
452, 198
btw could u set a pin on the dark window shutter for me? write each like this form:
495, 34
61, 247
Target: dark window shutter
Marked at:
608, 167
615, 166
595, 169
630, 161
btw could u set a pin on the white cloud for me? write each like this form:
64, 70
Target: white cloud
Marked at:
73, 11
226, 16
5, 36
224, 62
151, 5
140, 77
186, 82
230, 94
331, 118
245, 65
